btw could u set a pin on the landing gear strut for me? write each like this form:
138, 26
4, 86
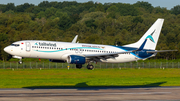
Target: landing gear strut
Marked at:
18, 57
90, 67
79, 66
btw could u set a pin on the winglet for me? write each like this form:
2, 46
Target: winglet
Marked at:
75, 39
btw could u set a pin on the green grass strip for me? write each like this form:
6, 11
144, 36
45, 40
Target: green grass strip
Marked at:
60, 78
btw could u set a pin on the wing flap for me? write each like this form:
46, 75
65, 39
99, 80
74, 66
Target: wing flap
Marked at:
106, 54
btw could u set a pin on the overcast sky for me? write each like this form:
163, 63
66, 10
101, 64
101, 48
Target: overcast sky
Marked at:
162, 3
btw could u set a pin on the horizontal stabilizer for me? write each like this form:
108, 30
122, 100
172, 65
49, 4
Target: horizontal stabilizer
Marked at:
158, 51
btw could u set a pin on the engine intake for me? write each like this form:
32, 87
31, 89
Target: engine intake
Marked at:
74, 59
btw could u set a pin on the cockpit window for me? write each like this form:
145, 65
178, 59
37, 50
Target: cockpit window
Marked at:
15, 45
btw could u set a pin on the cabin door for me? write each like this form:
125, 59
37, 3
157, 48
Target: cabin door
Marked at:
28, 46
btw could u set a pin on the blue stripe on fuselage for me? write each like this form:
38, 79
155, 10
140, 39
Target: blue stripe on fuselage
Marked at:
142, 54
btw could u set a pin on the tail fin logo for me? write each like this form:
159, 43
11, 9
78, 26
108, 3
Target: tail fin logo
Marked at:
150, 36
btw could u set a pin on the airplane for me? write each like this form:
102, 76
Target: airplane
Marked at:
81, 53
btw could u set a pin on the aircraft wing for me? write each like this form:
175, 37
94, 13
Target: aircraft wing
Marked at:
158, 51
104, 56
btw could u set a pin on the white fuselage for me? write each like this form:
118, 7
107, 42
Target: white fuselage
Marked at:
60, 50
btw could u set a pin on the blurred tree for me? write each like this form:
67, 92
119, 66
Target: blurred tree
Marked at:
176, 10
50, 12
10, 6
112, 11
23, 7
100, 7
170, 38
44, 4
147, 6
2, 8
90, 23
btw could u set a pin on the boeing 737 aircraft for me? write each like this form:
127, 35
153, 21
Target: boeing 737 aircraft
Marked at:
81, 53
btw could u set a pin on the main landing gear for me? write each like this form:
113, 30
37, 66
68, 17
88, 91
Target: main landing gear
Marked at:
89, 66
79, 66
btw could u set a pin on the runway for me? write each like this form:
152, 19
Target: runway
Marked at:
91, 94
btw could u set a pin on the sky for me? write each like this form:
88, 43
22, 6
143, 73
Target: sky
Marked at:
162, 3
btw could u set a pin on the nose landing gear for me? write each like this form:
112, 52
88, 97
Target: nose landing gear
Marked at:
18, 57
20, 62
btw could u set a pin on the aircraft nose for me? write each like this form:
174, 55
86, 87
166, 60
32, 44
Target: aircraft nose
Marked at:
7, 49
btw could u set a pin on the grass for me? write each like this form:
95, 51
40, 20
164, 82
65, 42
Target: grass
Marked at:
59, 78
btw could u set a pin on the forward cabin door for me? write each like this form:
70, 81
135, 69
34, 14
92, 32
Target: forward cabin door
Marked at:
28, 46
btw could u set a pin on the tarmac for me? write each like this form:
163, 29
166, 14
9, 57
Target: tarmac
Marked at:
92, 94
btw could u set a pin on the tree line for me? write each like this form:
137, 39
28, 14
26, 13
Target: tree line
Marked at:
108, 23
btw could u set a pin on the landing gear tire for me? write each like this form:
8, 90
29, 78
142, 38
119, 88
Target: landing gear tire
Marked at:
20, 62
79, 66
90, 67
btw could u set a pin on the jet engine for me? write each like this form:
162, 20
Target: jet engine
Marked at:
74, 59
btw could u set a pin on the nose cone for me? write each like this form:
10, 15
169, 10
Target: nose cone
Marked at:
7, 49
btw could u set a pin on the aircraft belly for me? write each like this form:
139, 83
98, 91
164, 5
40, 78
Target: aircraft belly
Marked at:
44, 55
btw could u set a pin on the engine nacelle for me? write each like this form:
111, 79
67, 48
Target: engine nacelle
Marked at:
74, 59
59, 61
